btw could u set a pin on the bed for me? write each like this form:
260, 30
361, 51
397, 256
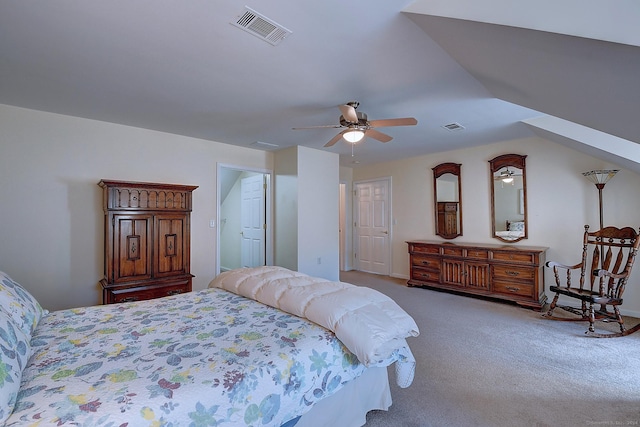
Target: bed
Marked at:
515, 230
212, 357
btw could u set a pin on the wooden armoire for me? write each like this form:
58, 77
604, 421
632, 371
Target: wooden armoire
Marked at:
447, 218
147, 240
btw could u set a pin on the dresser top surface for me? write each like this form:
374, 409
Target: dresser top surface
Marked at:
492, 246
104, 183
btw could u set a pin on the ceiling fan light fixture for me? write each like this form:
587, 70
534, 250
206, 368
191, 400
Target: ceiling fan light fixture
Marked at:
506, 176
353, 136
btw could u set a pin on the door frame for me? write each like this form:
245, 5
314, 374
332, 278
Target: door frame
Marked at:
342, 225
356, 213
268, 173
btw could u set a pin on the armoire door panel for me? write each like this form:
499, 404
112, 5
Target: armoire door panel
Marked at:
132, 247
170, 245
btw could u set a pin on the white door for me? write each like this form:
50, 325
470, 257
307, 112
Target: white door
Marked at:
252, 221
372, 226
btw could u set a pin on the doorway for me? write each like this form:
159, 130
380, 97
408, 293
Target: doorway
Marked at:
244, 218
372, 229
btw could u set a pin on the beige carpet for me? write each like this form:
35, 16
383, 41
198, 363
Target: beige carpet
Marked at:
484, 363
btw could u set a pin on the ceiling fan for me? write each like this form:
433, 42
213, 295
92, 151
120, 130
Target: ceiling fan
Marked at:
506, 176
356, 125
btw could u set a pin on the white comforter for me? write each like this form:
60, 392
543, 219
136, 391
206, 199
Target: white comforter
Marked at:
370, 324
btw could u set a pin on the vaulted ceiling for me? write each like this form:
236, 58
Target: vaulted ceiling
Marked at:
499, 71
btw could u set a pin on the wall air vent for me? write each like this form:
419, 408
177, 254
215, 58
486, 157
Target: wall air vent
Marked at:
453, 127
261, 26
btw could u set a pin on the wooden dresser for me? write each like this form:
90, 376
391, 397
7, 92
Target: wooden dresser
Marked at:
147, 235
512, 273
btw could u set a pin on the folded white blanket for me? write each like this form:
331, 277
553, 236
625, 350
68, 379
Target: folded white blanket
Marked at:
370, 324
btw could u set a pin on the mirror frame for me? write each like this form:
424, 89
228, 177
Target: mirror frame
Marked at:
516, 161
441, 169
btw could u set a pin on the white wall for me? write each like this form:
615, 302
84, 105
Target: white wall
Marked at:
286, 208
51, 214
560, 201
346, 177
51, 207
318, 227
307, 211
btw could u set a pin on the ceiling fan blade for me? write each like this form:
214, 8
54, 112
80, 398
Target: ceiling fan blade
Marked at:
334, 139
382, 137
406, 121
319, 127
349, 113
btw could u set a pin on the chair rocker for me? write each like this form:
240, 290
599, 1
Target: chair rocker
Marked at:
601, 280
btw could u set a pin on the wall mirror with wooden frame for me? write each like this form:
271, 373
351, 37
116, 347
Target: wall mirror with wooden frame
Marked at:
447, 194
508, 198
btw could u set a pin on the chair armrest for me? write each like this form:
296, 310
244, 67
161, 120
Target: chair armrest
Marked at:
552, 264
601, 272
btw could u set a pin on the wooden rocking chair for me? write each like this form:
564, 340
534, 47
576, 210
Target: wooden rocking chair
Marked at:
605, 280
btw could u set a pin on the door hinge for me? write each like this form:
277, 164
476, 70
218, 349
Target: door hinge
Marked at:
264, 226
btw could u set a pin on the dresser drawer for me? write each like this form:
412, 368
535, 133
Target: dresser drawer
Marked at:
452, 250
116, 294
477, 254
512, 288
511, 272
134, 294
424, 249
431, 263
422, 275
514, 256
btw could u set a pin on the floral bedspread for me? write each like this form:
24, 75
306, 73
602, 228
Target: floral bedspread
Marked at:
207, 358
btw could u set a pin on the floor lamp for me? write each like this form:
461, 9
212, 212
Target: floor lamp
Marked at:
600, 178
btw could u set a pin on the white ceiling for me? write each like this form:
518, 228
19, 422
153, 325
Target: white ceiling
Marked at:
182, 68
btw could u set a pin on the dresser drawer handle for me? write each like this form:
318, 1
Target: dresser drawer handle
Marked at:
512, 273
512, 289
174, 292
129, 299
425, 263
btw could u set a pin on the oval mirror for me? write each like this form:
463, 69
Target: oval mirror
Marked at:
447, 194
509, 198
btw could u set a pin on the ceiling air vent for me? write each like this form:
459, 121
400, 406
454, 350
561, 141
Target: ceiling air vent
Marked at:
265, 145
261, 26
453, 126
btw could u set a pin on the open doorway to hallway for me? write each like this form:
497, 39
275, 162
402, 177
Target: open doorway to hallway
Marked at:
244, 218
